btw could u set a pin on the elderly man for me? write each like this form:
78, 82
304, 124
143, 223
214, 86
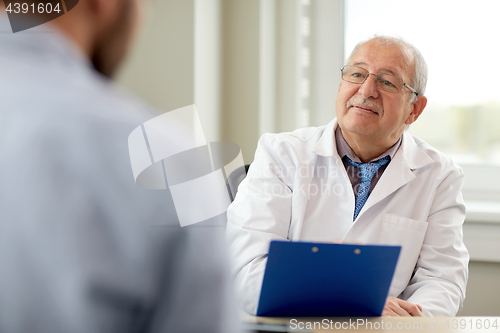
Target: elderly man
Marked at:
82, 248
362, 179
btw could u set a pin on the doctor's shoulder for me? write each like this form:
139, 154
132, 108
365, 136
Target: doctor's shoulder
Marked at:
296, 143
442, 163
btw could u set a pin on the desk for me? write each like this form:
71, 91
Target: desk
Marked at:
386, 324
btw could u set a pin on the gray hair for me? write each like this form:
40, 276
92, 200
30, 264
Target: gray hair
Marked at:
419, 81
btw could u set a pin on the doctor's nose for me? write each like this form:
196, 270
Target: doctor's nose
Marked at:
369, 87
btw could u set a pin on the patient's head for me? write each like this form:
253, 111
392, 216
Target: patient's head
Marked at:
103, 29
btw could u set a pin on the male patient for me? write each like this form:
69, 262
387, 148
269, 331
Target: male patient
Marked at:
82, 248
362, 179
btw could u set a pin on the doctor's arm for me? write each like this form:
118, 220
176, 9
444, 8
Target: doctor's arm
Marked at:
440, 275
260, 213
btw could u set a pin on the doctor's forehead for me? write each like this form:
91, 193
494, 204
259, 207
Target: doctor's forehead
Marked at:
388, 58
363, 64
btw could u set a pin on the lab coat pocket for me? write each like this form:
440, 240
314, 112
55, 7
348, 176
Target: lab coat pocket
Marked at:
409, 234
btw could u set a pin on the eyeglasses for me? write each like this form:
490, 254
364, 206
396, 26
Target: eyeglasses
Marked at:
385, 82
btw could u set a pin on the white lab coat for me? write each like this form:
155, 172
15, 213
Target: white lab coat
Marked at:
297, 189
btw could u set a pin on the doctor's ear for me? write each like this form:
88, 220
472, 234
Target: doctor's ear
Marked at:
417, 108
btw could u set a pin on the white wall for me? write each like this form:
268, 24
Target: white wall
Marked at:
161, 67
483, 294
208, 66
241, 93
177, 60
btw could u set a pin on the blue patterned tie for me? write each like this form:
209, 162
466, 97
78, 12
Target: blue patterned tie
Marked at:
368, 170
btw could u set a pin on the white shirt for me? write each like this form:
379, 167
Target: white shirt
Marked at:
297, 189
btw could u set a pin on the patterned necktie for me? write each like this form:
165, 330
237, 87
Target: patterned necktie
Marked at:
368, 170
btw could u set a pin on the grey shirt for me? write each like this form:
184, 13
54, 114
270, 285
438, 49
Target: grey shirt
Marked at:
78, 249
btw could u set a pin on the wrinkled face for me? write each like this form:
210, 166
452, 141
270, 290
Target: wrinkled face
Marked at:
364, 111
112, 46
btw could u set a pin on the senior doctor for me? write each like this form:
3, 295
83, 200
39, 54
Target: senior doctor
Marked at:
361, 178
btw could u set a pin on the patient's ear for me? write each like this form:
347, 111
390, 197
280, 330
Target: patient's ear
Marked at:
104, 9
418, 108
93, 6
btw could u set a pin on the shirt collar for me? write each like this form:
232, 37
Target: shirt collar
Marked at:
326, 146
406, 149
344, 149
44, 42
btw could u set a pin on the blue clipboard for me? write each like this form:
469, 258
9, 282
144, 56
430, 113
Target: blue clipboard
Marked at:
326, 280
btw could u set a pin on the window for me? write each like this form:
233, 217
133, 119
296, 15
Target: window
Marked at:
463, 90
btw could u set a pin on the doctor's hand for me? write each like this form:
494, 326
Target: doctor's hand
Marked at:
395, 307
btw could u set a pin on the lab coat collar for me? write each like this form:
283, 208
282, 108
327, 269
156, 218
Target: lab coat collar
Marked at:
414, 157
326, 144
409, 152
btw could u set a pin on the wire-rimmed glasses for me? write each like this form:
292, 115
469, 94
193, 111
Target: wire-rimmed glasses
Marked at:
386, 82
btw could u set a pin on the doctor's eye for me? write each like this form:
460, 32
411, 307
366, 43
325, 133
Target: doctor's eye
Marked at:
388, 84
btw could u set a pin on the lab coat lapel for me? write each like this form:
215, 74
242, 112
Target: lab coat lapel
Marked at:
326, 147
398, 173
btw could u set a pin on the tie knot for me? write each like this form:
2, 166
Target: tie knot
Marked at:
368, 170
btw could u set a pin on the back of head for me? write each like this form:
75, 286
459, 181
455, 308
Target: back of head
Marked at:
102, 30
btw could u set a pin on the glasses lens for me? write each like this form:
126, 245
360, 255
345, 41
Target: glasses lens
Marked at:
354, 74
389, 83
